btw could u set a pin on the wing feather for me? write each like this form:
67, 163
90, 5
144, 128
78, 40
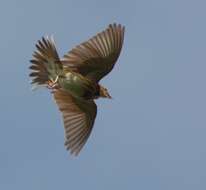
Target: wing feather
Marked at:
79, 116
96, 57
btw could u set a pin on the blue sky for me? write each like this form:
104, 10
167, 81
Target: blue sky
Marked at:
150, 136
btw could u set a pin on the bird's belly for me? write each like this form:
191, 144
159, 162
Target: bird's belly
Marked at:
77, 87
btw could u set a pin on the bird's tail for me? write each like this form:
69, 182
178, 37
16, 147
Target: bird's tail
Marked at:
46, 65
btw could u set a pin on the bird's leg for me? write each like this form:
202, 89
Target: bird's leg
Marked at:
52, 83
56, 79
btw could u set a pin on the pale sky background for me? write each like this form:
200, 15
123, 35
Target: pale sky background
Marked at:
151, 136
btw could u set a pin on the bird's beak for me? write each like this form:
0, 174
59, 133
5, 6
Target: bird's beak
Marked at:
108, 96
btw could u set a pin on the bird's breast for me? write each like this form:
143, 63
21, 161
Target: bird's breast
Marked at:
79, 86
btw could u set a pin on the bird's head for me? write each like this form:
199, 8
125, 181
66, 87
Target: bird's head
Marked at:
103, 92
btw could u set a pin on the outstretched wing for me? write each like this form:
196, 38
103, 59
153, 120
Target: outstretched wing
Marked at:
96, 57
45, 63
78, 116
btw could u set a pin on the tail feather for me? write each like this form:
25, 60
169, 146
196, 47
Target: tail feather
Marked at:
46, 64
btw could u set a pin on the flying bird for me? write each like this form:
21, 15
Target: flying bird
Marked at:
74, 79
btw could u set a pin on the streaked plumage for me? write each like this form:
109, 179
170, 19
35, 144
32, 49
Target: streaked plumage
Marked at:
74, 80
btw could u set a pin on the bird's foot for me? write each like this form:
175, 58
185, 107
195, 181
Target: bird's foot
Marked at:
52, 84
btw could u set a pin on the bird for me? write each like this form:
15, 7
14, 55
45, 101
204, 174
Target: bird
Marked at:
74, 79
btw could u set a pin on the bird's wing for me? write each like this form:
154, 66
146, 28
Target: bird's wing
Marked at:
78, 116
96, 57
45, 63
